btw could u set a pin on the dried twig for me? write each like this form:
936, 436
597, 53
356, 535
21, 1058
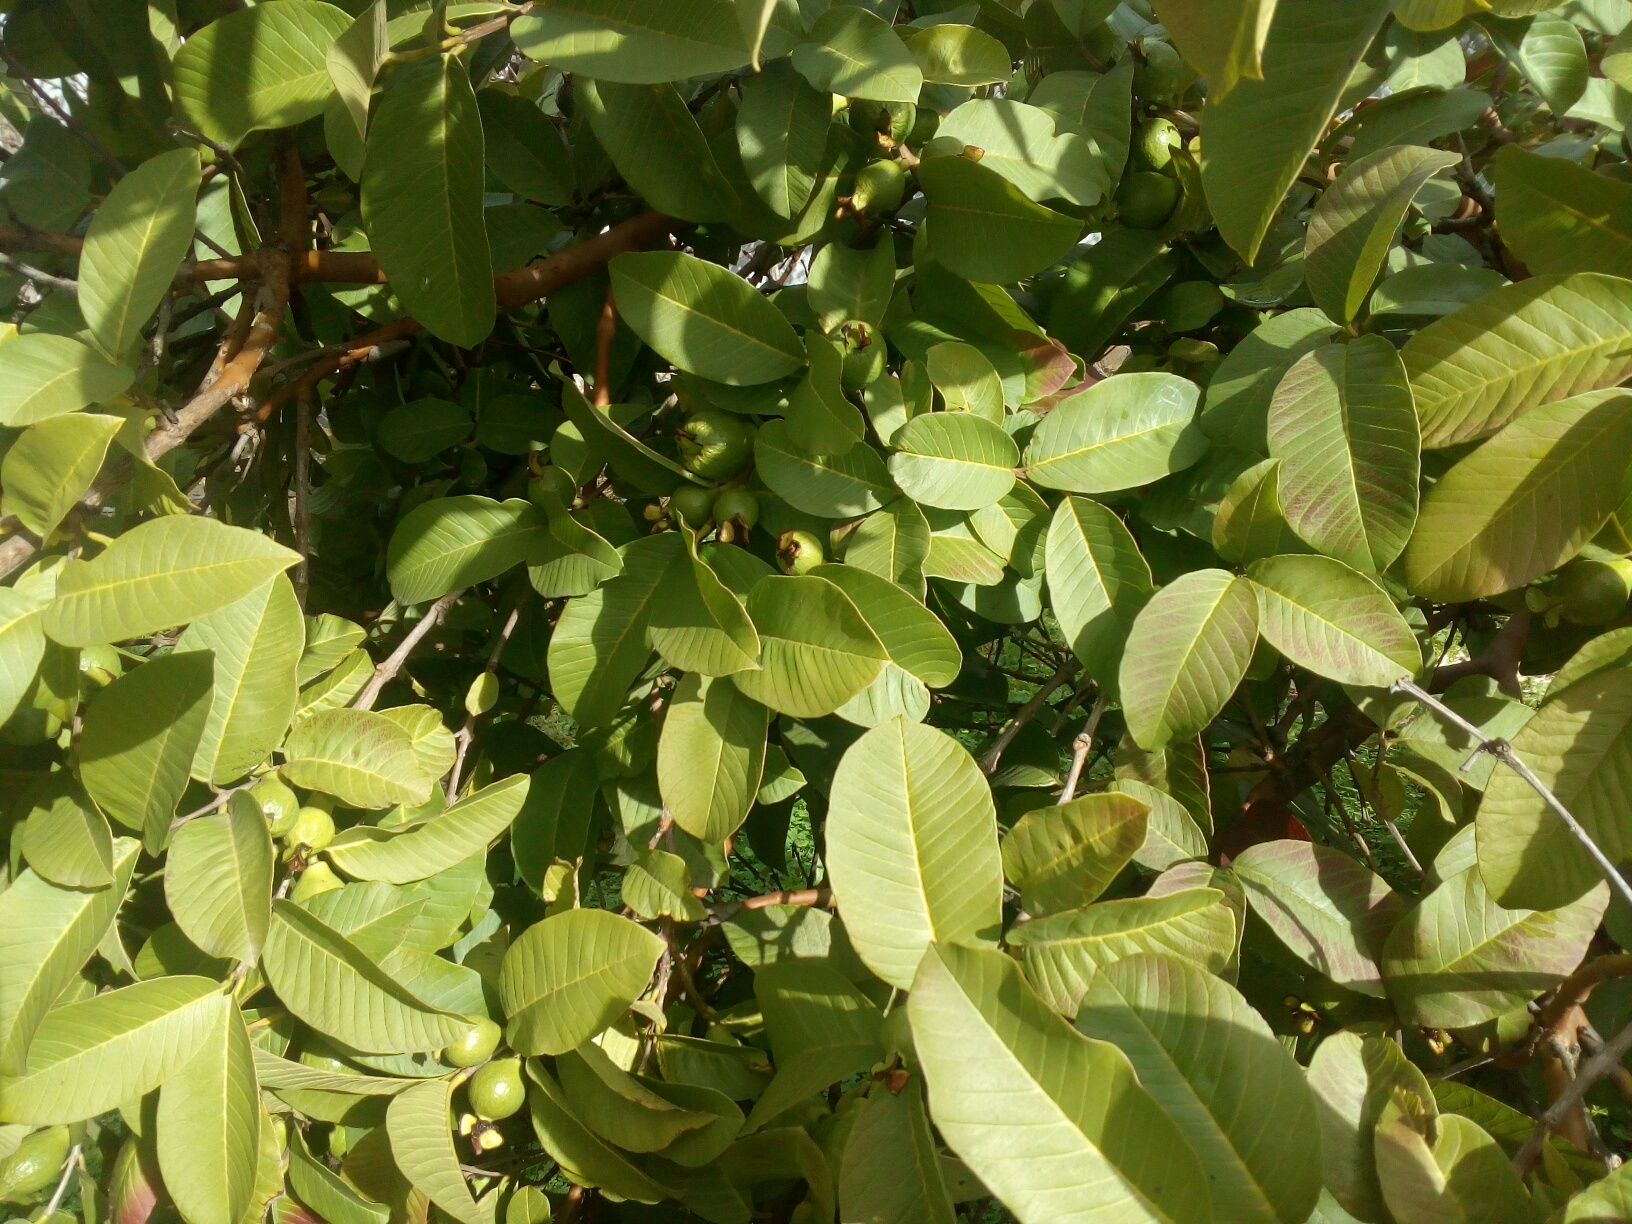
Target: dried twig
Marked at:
394, 662
1082, 746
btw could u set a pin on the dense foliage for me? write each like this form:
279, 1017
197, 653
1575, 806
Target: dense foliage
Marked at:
891, 611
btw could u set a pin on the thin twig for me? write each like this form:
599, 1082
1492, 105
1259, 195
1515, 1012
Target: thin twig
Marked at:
1029, 711
1082, 746
303, 494
606, 332
387, 671
39, 276
62, 1183
467, 733
1503, 752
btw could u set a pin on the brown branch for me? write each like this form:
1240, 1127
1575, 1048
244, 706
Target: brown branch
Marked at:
606, 332
1081, 747
1029, 711
1574, 991
387, 671
1600, 1065
1499, 660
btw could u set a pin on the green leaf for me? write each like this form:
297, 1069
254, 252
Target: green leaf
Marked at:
1517, 348
362, 758
710, 757
354, 60
209, 1125
584, 1157
996, 1060
1223, 41
1187, 651
49, 376
1255, 140
49, 468
1065, 856
47, 934
959, 55
1019, 142
1336, 622
1210, 1060
1343, 426
1457, 958
524, 150
258, 68
135, 245
1447, 1167
982, 227
634, 42
313, 1182
892, 544
1097, 583
160, 574
1242, 387
218, 880
1121, 433
422, 187
781, 133
423, 429
1353, 1078
330, 983
570, 976
1063, 952
1357, 221
636, 1113
451, 542
22, 647
420, 849
829, 486
856, 53
913, 636
891, 1167
819, 418
600, 644
703, 318
656, 145
1524, 502
1552, 55
256, 643
821, 1029
65, 839
417, 1123
139, 740
848, 285
96, 1054
816, 652
1580, 745
953, 460
698, 624
1329, 911
1559, 217
1172, 835
966, 379
912, 848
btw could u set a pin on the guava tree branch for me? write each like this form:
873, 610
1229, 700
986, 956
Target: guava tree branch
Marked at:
394, 662
1603, 1063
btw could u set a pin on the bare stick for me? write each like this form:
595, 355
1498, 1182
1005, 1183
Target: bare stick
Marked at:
387, 671
1503, 752
1029, 711
467, 733
1081, 747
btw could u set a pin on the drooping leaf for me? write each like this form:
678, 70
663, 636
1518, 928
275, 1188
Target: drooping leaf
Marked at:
1188, 649
1255, 140
1550, 52
891, 1170
1517, 348
1357, 221
1343, 426
209, 1125
47, 933
1063, 952
49, 376
360, 757
995, 1058
1121, 433
1067, 855
1524, 502
634, 42
781, 131
1327, 908
816, 652
218, 880
1225, 42
568, 977
256, 644
258, 68
51, 466
710, 757
820, 419
330, 983
1211, 1061
912, 847
1097, 583
93, 1055
1559, 217
422, 199
417, 1123
139, 740
136, 243
821, 1028
160, 574
423, 848
1334, 621
657, 147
